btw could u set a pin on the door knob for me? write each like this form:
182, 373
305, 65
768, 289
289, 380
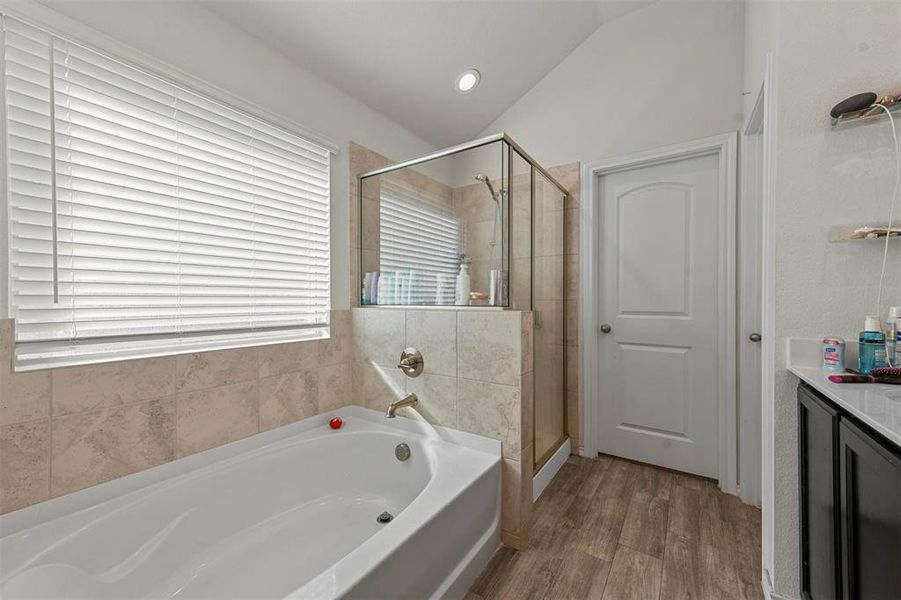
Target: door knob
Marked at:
755, 337
605, 328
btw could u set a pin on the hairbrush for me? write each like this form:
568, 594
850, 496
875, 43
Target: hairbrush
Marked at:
889, 375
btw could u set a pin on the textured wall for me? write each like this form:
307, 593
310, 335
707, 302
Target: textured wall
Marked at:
826, 178
666, 73
62, 430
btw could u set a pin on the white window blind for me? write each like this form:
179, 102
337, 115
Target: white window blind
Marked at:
145, 218
419, 244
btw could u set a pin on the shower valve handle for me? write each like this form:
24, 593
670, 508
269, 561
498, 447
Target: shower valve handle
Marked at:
411, 362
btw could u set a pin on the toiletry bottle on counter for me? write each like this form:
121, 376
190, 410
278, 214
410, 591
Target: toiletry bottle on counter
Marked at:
464, 286
892, 335
834, 354
872, 345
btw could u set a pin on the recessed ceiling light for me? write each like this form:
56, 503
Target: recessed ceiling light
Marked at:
468, 80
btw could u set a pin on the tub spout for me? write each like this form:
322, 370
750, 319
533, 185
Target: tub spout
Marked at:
408, 400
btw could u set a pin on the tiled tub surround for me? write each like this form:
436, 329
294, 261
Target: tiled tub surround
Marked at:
477, 378
62, 430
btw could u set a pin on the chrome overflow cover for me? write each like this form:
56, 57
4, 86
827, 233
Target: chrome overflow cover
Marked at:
385, 517
402, 452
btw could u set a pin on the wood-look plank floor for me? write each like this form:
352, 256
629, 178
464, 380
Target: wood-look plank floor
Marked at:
612, 529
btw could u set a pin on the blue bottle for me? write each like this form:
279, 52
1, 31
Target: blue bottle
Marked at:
872, 346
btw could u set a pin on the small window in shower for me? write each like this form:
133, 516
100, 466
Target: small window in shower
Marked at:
420, 243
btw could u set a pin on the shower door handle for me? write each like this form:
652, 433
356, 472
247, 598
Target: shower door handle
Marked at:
605, 328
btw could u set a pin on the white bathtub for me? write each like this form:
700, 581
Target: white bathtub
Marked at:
289, 513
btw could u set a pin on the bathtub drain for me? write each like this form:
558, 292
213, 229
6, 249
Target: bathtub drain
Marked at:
385, 517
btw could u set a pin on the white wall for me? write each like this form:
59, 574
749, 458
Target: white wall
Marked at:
667, 73
202, 45
824, 52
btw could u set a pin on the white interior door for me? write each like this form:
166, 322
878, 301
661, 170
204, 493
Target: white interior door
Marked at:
658, 304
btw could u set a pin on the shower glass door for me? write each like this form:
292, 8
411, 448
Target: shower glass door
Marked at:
547, 305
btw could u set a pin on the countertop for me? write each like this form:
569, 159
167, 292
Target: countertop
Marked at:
873, 404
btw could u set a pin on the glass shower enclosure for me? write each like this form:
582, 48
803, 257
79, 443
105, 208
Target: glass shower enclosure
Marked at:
476, 226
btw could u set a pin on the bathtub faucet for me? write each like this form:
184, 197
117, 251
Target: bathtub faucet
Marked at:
408, 400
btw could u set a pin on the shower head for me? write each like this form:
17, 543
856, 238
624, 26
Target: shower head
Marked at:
484, 179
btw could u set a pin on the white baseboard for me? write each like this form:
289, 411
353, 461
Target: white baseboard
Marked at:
550, 468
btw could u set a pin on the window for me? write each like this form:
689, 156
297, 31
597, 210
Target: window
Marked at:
419, 245
148, 219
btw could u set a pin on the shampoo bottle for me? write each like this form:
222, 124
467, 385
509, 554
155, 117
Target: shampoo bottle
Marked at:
464, 286
872, 345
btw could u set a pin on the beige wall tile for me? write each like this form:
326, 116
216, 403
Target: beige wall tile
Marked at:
335, 350
522, 233
216, 416
527, 412
571, 232
434, 334
335, 387
521, 284
204, 370
89, 387
383, 335
549, 234
548, 281
288, 398
549, 331
550, 405
6, 342
382, 385
488, 346
573, 410
511, 496
339, 323
23, 396
571, 276
525, 494
527, 343
24, 464
571, 322
437, 399
491, 410
99, 445
569, 176
285, 358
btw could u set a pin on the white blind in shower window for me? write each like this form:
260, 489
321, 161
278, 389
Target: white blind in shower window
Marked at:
419, 244
146, 218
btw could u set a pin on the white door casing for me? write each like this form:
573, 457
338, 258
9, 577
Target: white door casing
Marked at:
672, 311
750, 302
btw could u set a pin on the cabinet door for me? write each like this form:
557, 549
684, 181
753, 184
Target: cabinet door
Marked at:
871, 516
818, 423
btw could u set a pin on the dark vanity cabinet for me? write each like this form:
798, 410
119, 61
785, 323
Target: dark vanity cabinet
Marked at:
850, 505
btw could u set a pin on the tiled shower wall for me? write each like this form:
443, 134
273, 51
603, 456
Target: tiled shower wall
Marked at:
477, 378
65, 429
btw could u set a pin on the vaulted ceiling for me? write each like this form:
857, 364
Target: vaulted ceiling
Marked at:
402, 57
